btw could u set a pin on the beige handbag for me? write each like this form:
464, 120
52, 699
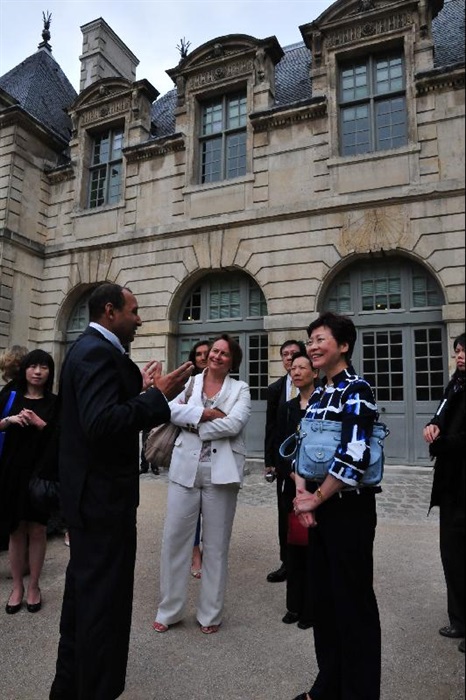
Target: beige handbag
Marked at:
158, 448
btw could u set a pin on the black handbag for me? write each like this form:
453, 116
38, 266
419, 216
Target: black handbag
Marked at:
314, 445
5, 413
44, 495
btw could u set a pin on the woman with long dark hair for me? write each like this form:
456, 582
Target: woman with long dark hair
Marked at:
198, 356
28, 426
445, 435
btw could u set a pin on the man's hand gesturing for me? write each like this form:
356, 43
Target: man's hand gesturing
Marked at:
173, 383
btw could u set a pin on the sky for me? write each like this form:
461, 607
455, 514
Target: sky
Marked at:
151, 29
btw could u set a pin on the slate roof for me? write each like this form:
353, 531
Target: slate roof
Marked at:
42, 90
292, 80
448, 31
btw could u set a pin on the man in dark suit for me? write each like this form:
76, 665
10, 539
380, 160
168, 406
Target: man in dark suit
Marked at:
102, 413
278, 393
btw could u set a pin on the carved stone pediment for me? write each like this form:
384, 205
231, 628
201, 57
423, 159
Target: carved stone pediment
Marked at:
224, 59
103, 91
109, 98
351, 21
227, 47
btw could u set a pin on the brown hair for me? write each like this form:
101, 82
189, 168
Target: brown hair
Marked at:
235, 350
10, 360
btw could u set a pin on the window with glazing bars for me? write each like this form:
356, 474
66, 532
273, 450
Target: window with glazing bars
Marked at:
381, 289
223, 138
428, 355
373, 113
105, 170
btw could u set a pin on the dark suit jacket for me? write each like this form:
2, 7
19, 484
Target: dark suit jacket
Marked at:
102, 413
288, 418
276, 395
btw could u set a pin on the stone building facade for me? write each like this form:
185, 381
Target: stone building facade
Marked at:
270, 184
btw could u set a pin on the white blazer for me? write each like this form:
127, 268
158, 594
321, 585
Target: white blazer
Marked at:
228, 446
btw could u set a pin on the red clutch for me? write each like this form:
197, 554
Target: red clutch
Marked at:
297, 534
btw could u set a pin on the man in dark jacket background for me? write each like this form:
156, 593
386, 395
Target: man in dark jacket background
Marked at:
278, 393
102, 413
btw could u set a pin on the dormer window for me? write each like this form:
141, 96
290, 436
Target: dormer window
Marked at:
223, 138
373, 115
105, 169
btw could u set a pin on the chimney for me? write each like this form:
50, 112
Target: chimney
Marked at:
104, 55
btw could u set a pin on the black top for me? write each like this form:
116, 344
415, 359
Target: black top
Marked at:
448, 450
288, 419
23, 451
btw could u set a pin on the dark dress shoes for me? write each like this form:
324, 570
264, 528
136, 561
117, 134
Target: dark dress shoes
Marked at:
13, 609
451, 632
34, 607
304, 625
277, 576
290, 618
461, 646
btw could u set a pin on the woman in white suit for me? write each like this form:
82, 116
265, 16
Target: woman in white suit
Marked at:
206, 473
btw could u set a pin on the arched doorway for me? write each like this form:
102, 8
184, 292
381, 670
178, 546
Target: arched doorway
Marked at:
230, 302
78, 319
401, 350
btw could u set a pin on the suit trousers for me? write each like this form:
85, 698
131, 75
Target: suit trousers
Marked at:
217, 502
286, 491
346, 618
96, 614
452, 544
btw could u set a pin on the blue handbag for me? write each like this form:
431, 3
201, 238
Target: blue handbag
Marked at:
6, 411
314, 444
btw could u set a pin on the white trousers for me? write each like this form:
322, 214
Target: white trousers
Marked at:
217, 502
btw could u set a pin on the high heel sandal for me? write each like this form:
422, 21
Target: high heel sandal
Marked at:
210, 629
160, 627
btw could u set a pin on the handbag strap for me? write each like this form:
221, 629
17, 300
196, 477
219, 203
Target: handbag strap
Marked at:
189, 390
8, 404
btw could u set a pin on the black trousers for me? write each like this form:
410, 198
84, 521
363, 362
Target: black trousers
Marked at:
299, 597
346, 618
452, 544
286, 492
96, 614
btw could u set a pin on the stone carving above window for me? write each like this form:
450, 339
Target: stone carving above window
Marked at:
384, 228
366, 5
354, 21
362, 30
224, 59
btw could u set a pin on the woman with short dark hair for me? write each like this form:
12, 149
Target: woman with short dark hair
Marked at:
342, 513
29, 426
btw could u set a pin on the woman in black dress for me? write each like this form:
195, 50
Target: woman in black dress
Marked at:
298, 595
28, 426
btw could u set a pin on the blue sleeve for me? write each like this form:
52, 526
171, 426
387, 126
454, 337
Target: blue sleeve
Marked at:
359, 412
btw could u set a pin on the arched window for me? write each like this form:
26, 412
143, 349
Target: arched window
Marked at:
79, 319
232, 303
396, 306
